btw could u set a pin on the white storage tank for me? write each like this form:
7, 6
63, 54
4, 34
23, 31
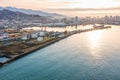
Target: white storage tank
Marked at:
4, 36
40, 39
25, 36
34, 35
41, 33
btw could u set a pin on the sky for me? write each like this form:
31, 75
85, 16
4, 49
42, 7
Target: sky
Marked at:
68, 7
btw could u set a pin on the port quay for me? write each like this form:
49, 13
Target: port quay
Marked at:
36, 41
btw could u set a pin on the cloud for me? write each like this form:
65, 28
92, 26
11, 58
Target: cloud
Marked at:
85, 9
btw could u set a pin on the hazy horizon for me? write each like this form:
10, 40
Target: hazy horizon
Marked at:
69, 8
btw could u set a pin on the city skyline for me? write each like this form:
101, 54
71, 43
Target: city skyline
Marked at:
70, 8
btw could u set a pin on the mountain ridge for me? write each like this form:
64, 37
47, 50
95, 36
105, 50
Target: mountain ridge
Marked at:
32, 12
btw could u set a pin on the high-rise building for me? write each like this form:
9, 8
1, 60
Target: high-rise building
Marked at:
76, 20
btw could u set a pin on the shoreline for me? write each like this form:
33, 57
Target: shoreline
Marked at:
47, 43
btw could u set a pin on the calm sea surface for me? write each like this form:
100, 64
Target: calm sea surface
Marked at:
91, 55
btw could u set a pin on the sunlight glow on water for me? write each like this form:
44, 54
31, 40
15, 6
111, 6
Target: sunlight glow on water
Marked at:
94, 39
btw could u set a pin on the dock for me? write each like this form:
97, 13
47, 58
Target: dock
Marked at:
47, 43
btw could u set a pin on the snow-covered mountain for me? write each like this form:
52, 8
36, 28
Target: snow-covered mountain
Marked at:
34, 12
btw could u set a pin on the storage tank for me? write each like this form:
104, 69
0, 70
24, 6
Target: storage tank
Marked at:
41, 33
34, 35
25, 36
40, 39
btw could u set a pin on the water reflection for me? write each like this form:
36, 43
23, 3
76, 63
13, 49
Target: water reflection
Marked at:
61, 29
94, 39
